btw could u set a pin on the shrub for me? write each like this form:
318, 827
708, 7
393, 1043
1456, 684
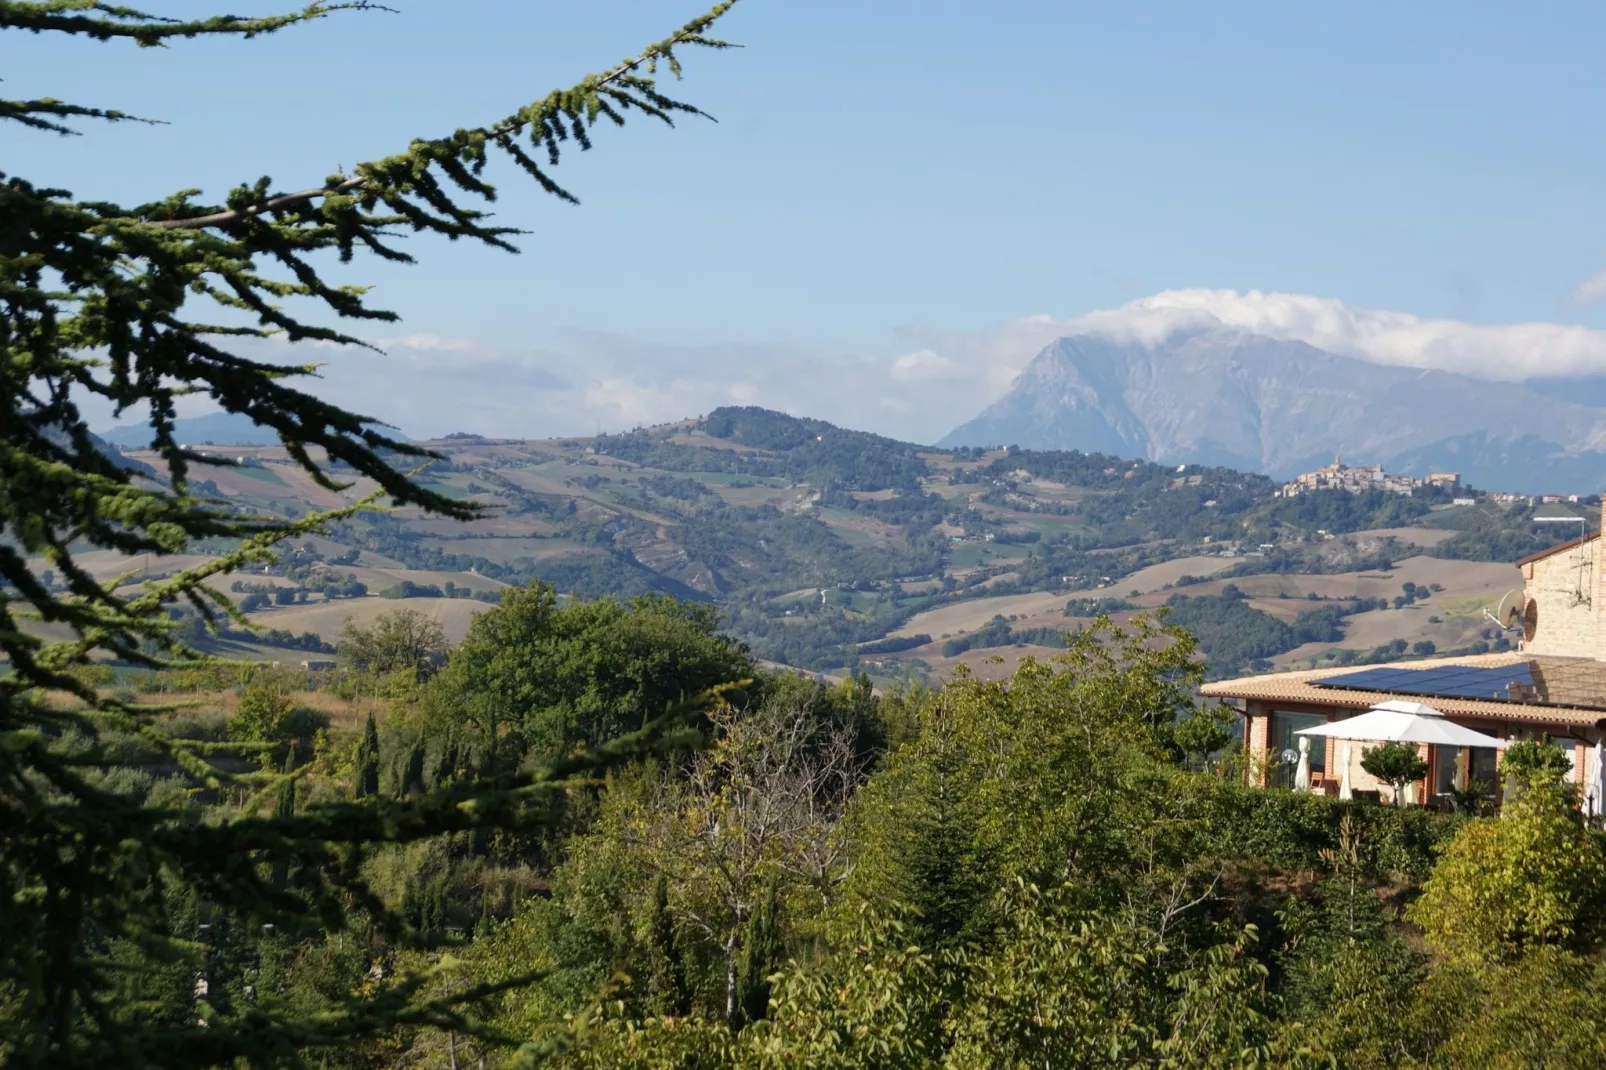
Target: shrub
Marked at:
129, 782
1285, 830
1533, 762
1396, 764
1203, 734
1534, 876
209, 727
262, 715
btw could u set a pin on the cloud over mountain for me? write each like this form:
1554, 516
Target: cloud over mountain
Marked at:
574, 381
1508, 352
1503, 352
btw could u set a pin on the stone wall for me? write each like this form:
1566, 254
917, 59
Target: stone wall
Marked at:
1563, 589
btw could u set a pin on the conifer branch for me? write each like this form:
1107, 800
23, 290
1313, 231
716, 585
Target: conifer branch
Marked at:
93, 302
106, 22
542, 115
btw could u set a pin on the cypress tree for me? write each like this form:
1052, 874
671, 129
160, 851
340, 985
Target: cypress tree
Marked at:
760, 956
446, 762
96, 305
669, 988
412, 775
284, 809
366, 781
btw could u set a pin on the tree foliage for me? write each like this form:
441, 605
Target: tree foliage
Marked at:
1533, 877
553, 676
400, 640
1395, 764
96, 304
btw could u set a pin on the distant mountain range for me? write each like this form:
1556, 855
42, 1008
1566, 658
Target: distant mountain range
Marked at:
216, 429
1229, 397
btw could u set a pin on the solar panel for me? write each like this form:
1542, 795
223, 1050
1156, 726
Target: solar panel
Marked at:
1575, 682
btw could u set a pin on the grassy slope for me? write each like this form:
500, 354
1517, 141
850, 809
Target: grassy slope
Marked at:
595, 520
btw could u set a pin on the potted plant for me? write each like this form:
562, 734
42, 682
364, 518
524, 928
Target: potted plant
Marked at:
1473, 799
1395, 764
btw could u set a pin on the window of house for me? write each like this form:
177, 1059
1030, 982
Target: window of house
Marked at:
1285, 744
1448, 769
1481, 766
1566, 744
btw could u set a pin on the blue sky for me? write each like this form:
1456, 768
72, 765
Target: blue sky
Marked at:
891, 178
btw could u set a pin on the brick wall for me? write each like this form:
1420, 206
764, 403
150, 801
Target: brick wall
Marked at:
1259, 726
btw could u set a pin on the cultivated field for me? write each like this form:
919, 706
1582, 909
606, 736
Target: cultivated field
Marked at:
504, 551
965, 617
993, 663
1155, 577
325, 619
1425, 537
1460, 579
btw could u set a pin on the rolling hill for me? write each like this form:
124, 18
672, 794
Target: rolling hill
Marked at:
828, 548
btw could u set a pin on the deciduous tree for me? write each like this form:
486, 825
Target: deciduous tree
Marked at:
400, 640
1532, 877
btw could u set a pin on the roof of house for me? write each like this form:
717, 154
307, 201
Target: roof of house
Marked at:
1297, 687
1558, 548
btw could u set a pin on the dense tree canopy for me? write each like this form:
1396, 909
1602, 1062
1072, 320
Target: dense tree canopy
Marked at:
102, 887
556, 676
602, 834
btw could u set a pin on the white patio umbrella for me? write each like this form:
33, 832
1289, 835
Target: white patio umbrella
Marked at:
1403, 721
1344, 789
1302, 770
1595, 780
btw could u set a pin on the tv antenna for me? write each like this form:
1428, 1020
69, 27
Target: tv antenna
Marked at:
1581, 559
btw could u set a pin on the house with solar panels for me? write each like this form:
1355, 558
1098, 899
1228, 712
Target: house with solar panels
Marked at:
1552, 686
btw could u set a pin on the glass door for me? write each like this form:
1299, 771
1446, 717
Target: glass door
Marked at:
1285, 745
1449, 772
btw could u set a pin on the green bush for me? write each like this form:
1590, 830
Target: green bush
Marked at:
1290, 830
1532, 877
1533, 762
1395, 764
209, 727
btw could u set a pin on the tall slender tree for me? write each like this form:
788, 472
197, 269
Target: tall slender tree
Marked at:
365, 780
285, 809
95, 303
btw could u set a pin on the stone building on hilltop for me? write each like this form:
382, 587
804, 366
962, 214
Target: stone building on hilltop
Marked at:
1357, 480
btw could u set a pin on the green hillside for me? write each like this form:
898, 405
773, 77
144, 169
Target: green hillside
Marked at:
814, 540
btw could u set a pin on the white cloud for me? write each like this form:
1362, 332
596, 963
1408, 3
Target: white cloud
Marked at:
429, 343
1592, 291
921, 365
1503, 352
578, 381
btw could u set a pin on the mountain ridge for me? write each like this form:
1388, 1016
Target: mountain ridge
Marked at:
1226, 396
212, 429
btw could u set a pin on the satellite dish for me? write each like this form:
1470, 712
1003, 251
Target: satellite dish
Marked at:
1510, 612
